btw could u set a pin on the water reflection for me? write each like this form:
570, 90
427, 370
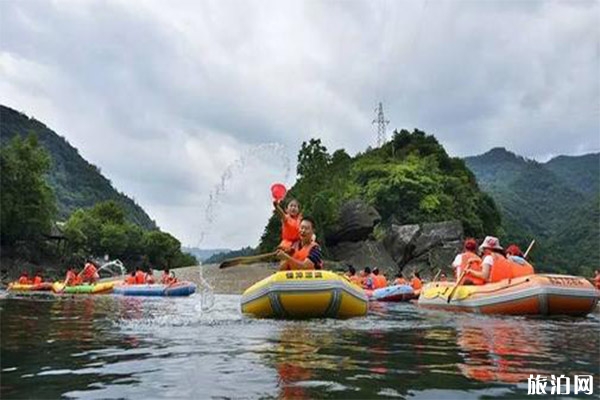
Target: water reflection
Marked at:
137, 348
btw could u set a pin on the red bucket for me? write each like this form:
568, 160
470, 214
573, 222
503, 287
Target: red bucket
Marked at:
278, 191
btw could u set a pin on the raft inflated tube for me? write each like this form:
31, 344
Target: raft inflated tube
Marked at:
96, 288
392, 293
304, 294
173, 290
543, 294
19, 287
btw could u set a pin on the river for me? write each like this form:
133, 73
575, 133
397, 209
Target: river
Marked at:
138, 348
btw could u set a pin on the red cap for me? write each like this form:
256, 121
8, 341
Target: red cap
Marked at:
514, 250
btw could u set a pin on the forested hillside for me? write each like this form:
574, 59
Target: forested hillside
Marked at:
557, 203
76, 183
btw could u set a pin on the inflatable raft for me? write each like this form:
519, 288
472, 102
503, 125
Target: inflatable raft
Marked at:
96, 288
176, 289
19, 287
304, 294
528, 295
392, 293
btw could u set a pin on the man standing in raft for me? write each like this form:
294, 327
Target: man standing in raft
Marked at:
306, 252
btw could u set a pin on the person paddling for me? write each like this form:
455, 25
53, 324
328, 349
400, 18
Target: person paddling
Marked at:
416, 282
306, 251
89, 273
290, 223
380, 279
71, 279
368, 279
494, 266
38, 279
351, 274
150, 277
130, 280
140, 276
466, 258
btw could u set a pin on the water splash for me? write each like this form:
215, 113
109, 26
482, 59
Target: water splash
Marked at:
267, 152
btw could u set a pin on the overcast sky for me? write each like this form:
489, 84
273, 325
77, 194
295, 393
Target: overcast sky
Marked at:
166, 96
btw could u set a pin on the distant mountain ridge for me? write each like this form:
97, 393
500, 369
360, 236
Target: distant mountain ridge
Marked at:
76, 183
203, 254
557, 203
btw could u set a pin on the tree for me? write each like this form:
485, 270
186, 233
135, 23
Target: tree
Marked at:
27, 204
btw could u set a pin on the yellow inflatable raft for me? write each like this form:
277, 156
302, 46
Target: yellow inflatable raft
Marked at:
304, 294
540, 294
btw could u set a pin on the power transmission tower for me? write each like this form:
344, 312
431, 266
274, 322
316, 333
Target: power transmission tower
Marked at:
381, 125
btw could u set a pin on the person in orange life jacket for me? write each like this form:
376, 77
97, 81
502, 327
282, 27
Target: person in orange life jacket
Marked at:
71, 279
37, 279
140, 276
380, 280
290, 223
368, 281
306, 252
130, 280
416, 282
514, 253
468, 256
400, 279
351, 274
150, 277
24, 279
493, 256
167, 277
89, 273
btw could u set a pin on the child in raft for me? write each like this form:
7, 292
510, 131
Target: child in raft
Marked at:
290, 223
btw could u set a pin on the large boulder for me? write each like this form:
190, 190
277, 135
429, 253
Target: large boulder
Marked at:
368, 253
399, 240
355, 223
436, 234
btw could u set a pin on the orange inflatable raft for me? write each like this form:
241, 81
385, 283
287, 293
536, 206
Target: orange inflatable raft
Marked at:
539, 294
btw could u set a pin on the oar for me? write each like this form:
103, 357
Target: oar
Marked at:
232, 262
436, 275
529, 248
460, 278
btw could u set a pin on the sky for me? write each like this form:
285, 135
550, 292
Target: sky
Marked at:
194, 108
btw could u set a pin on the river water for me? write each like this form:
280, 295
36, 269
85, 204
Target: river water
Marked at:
117, 347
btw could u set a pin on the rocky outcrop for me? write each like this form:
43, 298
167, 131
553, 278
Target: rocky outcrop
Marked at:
368, 253
355, 223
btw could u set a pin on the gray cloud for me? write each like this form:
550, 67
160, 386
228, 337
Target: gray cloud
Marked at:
163, 98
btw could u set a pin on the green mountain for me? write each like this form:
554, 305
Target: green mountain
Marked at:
411, 179
75, 182
557, 203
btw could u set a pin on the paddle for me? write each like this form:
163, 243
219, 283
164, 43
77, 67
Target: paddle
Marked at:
232, 262
460, 278
529, 248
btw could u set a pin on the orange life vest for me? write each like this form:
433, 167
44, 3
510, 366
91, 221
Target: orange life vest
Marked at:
355, 279
167, 279
72, 279
475, 266
302, 253
37, 280
130, 280
140, 277
416, 283
501, 269
380, 281
23, 280
90, 272
517, 270
290, 228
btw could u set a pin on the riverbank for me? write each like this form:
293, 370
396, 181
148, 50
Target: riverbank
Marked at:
229, 280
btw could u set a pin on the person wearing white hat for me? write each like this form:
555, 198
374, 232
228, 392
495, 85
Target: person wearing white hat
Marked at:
492, 252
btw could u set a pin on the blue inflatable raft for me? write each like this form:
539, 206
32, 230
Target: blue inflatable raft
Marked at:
392, 293
176, 289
